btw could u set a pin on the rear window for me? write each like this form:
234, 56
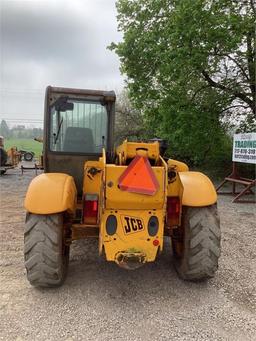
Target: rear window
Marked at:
78, 126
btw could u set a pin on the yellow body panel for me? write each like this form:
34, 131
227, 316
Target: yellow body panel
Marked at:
128, 150
50, 193
135, 241
118, 199
175, 188
177, 165
93, 184
198, 189
13, 156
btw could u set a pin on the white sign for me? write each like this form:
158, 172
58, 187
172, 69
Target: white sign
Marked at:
244, 148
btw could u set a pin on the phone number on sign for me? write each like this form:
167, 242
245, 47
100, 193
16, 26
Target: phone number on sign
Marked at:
245, 151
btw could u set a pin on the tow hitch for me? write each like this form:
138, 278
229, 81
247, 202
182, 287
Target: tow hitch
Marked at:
130, 260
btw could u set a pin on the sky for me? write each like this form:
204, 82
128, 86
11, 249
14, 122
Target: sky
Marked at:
58, 43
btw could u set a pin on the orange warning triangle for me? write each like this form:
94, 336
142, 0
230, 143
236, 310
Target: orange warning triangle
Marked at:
139, 177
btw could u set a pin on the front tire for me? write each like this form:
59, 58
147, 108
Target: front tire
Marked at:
46, 255
197, 249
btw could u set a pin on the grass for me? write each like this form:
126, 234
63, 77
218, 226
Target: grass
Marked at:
24, 144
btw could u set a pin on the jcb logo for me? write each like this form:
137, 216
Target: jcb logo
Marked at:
132, 224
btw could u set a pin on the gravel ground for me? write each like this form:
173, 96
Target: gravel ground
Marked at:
100, 301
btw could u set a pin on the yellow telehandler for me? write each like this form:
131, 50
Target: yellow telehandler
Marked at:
129, 198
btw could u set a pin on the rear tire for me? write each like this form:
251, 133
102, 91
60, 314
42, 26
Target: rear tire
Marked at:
28, 156
46, 255
200, 238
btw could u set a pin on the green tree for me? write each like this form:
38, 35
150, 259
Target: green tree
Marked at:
190, 67
129, 122
4, 129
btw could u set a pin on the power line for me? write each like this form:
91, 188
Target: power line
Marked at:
38, 91
20, 115
40, 122
28, 93
3, 113
24, 117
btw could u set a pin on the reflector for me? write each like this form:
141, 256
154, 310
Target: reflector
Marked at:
153, 226
111, 225
156, 242
139, 177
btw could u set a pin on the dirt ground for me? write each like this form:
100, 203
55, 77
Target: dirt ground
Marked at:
100, 301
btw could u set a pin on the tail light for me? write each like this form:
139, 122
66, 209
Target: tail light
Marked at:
173, 211
90, 209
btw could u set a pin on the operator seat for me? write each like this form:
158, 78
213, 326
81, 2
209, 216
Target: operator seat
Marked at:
79, 140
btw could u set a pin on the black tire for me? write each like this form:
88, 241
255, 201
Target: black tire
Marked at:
200, 238
46, 255
28, 156
2, 171
3, 157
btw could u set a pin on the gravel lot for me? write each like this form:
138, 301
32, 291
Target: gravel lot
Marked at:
100, 301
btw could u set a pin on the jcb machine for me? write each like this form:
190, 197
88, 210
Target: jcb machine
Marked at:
8, 159
129, 198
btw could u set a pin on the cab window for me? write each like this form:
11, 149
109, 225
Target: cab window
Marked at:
78, 126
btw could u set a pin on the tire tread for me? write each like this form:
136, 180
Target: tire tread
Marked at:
201, 244
43, 243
